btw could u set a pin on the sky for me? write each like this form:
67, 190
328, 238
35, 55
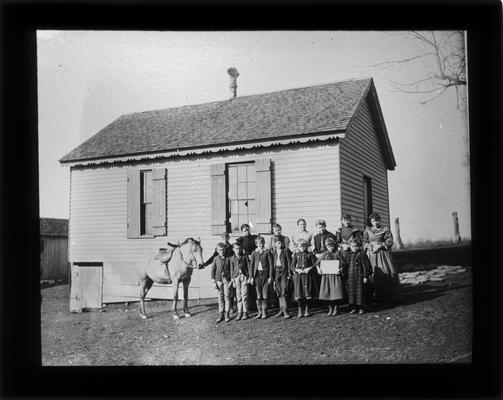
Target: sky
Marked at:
87, 79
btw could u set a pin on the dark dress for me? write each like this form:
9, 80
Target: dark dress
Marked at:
332, 286
385, 275
305, 286
356, 267
247, 243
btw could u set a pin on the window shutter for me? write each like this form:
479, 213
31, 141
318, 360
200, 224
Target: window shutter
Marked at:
263, 200
133, 204
218, 199
159, 223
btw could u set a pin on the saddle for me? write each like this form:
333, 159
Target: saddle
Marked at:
164, 255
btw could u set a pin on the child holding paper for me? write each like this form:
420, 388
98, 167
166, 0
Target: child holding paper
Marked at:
332, 287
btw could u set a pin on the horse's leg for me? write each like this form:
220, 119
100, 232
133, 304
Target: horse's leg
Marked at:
145, 285
186, 297
175, 298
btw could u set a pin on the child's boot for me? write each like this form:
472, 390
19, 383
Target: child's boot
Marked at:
280, 313
259, 309
299, 313
361, 311
245, 316
285, 313
306, 313
330, 310
221, 318
239, 316
227, 317
336, 311
264, 309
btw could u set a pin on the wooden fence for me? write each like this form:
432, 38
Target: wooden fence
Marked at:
54, 263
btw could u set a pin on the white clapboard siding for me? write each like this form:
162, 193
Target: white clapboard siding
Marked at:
304, 184
360, 155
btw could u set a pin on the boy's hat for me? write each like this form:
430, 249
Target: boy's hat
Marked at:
330, 241
302, 242
245, 226
321, 222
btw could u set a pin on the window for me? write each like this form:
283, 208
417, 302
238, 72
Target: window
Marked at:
241, 194
146, 203
367, 199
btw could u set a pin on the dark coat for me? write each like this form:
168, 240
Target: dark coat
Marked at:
247, 243
220, 269
319, 241
285, 260
265, 258
356, 267
239, 265
227, 253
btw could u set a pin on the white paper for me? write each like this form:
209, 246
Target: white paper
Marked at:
329, 266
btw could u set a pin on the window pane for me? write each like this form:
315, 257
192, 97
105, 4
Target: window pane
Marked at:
251, 173
147, 186
243, 208
234, 207
232, 182
251, 190
241, 190
242, 173
251, 207
148, 219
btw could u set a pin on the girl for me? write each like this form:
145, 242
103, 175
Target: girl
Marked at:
261, 266
332, 286
281, 274
304, 279
377, 241
357, 269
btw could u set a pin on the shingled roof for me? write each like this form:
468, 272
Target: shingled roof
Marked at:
277, 115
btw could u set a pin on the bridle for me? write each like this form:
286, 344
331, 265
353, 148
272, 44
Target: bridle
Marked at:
193, 257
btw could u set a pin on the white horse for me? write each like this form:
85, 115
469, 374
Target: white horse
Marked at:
181, 260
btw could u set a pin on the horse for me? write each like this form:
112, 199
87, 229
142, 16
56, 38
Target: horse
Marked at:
181, 259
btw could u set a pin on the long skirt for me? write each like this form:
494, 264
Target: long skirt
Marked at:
305, 286
385, 275
357, 295
332, 287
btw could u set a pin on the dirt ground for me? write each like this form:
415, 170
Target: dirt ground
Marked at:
428, 323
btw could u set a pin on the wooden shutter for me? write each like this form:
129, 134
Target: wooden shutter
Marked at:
263, 202
218, 199
159, 223
133, 204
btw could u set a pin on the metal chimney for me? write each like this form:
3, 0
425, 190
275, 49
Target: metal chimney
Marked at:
233, 73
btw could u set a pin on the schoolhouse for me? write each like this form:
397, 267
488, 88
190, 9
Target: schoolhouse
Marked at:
200, 170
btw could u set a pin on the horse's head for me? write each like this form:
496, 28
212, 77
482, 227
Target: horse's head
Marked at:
193, 252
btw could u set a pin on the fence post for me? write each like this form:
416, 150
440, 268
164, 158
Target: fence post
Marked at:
397, 231
457, 237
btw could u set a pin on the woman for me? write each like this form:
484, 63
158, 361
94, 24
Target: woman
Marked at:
301, 234
377, 241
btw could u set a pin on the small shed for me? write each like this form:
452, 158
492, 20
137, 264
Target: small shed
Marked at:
200, 170
54, 264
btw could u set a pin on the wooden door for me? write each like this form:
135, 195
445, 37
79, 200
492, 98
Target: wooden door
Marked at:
86, 286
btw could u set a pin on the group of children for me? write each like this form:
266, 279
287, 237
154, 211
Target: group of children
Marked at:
292, 268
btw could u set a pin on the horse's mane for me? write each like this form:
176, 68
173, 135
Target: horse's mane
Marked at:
189, 239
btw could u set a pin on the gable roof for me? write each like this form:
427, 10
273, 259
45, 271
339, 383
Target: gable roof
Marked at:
53, 227
285, 114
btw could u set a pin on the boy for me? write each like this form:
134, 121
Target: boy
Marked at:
357, 269
221, 277
240, 277
281, 258
227, 249
261, 266
321, 237
276, 229
247, 240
